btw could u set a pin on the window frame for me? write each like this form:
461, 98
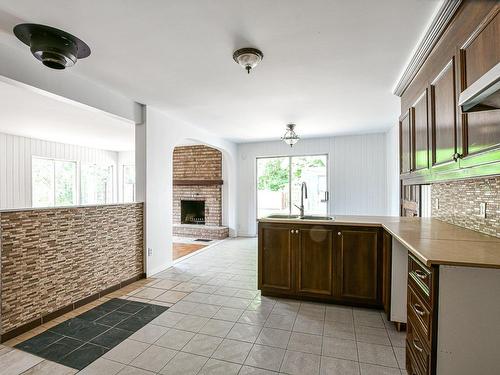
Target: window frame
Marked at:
326, 154
54, 160
123, 183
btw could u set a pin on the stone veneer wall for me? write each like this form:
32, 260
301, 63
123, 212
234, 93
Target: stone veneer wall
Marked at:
198, 163
459, 204
51, 258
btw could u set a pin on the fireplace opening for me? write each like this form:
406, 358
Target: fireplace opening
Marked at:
192, 212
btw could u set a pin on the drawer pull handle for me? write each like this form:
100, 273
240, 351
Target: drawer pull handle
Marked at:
421, 274
418, 309
416, 346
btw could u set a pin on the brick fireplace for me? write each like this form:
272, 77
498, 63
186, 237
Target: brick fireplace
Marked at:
197, 193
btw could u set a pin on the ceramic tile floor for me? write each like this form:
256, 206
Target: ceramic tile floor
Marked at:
219, 324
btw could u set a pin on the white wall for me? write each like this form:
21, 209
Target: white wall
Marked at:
155, 143
356, 174
15, 164
392, 142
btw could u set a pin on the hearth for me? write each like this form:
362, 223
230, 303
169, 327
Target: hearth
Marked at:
192, 212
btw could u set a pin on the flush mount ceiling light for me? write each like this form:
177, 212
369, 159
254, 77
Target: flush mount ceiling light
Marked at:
290, 137
55, 48
248, 58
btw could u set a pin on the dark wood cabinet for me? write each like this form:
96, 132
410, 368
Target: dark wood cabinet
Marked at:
479, 54
315, 261
420, 133
421, 338
405, 142
276, 260
439, 142
444, 116
358, 265
322, 262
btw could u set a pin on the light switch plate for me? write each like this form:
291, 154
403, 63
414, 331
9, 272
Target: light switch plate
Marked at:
150, 251
482, 209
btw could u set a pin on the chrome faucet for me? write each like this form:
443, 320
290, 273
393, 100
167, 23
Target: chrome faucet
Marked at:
303, 194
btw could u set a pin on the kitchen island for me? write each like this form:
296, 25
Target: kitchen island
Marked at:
434, 277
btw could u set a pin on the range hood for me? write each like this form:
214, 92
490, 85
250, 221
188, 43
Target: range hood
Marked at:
484, 94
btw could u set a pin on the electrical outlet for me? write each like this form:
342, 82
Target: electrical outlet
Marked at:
482, 209
150, 251
436, 203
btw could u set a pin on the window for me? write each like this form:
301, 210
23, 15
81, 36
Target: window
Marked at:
53, 182
128, 183
96, 184
279, 181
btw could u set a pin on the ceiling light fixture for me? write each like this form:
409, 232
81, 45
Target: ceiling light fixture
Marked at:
55, 48
290, 137
248, 58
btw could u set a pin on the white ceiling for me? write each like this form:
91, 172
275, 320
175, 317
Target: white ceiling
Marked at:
329, 65
28, 113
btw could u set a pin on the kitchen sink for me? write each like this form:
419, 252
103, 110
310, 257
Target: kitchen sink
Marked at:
313, 217
278, 216
295, 217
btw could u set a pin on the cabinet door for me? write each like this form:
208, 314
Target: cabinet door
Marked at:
419, 121
358, 265
405, 143
444, 121
479, 54
315, 261
276, 248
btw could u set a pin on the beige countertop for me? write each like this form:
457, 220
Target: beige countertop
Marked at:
430, 240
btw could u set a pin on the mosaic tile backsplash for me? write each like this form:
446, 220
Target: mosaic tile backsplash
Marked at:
51, 258
459, 203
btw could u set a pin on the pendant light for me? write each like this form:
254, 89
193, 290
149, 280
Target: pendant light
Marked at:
290, 137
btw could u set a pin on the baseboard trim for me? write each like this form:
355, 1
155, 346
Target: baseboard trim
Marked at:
54, 314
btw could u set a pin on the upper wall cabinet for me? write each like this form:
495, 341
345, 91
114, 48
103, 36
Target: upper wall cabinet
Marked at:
420, 124
405, 142
479, 54
439, 142
444, 116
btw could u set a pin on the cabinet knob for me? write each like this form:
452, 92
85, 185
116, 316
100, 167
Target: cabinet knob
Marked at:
291, 231
339, 234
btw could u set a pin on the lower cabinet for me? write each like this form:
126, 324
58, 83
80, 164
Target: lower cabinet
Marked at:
321, 262
315, 261
359, 265
276, 259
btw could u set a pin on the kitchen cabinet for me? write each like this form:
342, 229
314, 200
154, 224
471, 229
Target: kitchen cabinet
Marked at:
444, 116
420, 134
321, 262
438, 141
315, 261
421, 338
358, 265
478, 55
405, 155
276, 258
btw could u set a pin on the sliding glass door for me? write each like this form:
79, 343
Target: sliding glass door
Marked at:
279, 181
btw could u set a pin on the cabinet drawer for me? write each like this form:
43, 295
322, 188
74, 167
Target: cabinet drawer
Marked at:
420, 315
420, 277
417, 348
412, 366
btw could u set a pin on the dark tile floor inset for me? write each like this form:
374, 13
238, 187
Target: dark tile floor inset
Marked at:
79, 341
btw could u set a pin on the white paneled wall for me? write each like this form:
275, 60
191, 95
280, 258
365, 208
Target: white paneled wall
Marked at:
15, 164
392, 152
357, 174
